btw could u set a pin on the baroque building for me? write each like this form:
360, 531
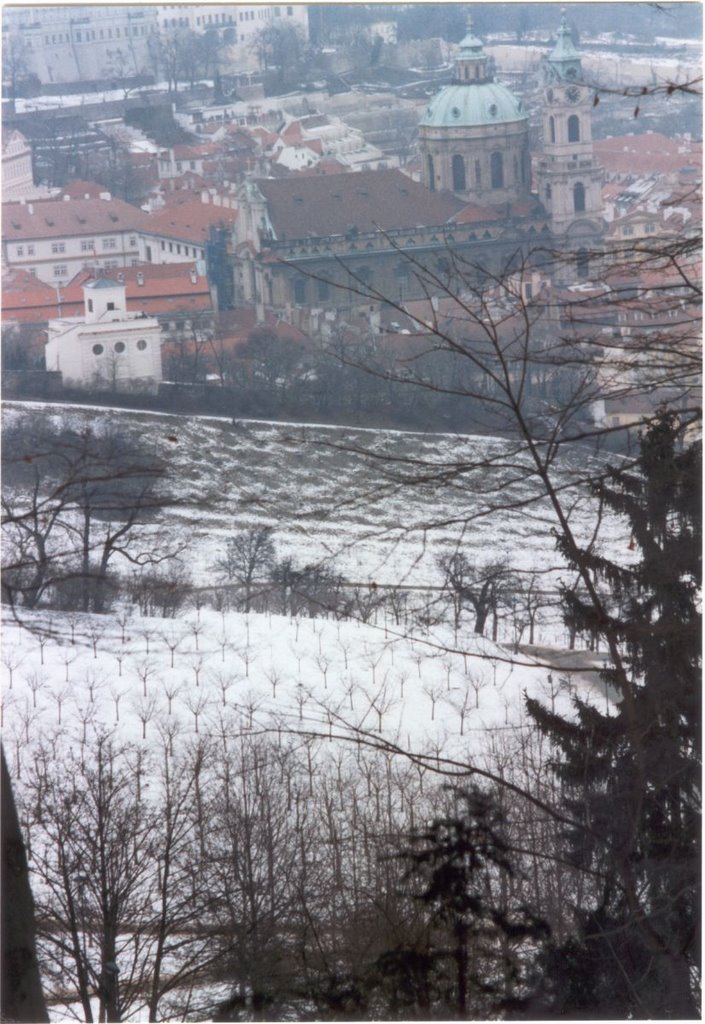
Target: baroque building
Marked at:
309, 241
569, 179
474, 136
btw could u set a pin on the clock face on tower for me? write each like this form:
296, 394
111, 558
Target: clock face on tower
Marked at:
572, 94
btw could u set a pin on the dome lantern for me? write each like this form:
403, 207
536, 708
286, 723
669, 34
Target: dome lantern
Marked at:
471, 62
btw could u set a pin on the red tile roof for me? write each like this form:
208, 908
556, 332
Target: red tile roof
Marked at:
368, 200
647, 154
188, 221
165, 288
66, 218
25, 298
79, 189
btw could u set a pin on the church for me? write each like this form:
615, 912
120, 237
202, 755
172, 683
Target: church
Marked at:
303, 241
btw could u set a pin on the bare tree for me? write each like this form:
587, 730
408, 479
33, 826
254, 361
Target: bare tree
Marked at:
248, 556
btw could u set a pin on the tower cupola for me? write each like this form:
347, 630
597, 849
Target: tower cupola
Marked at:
471, 63
563, 62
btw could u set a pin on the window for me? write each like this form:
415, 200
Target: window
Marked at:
60, 271
30, 250
111, 305
582, 263
136, 263
97, 350
579, 197
478, 174
290, 12
627, 231
119, 347
192, 164
20, 250
87, 244
548, 191
323, 290
497, 170
299, 291
78, 37
178, 248
133, 241
141, 344
431, 173
58, 247
90, 305
33, 271
573, 128
163, 246
171, 246
458, 165
552, 128
649, 229
110, 243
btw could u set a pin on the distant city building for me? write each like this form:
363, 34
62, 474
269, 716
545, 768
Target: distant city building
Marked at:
74, 44
79, 44
474, 136
17, 175
54, 239
107, 346
309, 241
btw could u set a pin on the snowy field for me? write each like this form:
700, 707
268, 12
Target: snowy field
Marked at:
391, 698
374, 505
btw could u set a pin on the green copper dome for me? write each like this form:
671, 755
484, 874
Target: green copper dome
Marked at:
471, 105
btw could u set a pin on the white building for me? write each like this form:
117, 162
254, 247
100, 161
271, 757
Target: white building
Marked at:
55, 239
17, 176
107, 346
73, 44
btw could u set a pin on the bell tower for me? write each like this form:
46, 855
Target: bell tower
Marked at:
569, 180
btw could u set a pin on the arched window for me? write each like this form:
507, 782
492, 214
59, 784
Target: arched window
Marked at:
582, 261
431, 173
573, 128
458, 173
552, 128
579, 197
497, 170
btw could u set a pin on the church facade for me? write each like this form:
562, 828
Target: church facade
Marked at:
322, 241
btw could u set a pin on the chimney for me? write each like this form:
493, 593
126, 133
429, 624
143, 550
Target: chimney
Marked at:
30, 207
140, 278
194, 275
67, 199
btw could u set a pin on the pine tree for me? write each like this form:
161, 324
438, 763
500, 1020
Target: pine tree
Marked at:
631, 778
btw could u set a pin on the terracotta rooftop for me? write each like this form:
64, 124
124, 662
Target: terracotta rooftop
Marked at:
63, 218
165, 288
25, 298
368, 200
646, 154
78, 189
188, 221
474, 214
